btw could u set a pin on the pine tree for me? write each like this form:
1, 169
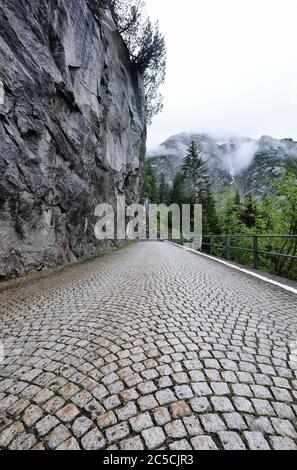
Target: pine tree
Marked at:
211, 223
237, 201
164, 191
178, 190
150, 185
194, 172
147, 48
249, 212
231, 216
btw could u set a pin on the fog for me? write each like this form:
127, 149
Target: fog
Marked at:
232, 68
239, 159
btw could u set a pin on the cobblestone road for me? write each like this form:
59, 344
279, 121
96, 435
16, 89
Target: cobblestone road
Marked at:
151, 347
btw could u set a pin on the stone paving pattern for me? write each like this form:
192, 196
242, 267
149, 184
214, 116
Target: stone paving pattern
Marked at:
151, 347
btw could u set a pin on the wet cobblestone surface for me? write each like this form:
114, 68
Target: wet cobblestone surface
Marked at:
151, 347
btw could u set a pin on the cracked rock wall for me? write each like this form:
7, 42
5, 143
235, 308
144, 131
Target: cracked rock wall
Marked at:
72, 129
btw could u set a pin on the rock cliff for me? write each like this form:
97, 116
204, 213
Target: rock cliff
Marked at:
72, 129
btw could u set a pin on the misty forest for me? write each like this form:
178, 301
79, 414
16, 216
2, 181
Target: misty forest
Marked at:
259, 197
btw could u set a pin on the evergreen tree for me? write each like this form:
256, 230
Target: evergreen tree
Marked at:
231, 216
237, 201
164, 191
150, 184
178, 190
211, 223
249, 212
276, 214
194, 172
147, 48
264, 221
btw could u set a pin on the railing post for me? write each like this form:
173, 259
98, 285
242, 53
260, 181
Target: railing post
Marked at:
228, 248
256, 252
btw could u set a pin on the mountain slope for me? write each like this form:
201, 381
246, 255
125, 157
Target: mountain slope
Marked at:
243, 163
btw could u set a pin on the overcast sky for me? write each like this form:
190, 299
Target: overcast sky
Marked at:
232, 67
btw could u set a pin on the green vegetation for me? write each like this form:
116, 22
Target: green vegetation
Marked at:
150, 188
146, 46
226, 213
164, 196
194, 174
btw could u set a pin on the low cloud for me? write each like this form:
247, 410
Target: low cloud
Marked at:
240, 158
235, 153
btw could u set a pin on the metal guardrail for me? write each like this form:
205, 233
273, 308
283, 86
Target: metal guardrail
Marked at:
228, 247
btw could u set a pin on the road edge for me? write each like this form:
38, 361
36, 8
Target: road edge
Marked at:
35, 276
238, 268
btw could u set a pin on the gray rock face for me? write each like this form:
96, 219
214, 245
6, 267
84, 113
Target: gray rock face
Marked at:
72, 129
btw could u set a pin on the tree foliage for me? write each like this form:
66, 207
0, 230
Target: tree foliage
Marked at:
146, 46
229, 213
150, 184
178, 190
211, 223
194, 172
249, 212
275, 215
163, 191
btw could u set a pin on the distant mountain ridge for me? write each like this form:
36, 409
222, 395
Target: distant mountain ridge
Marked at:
246, 164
